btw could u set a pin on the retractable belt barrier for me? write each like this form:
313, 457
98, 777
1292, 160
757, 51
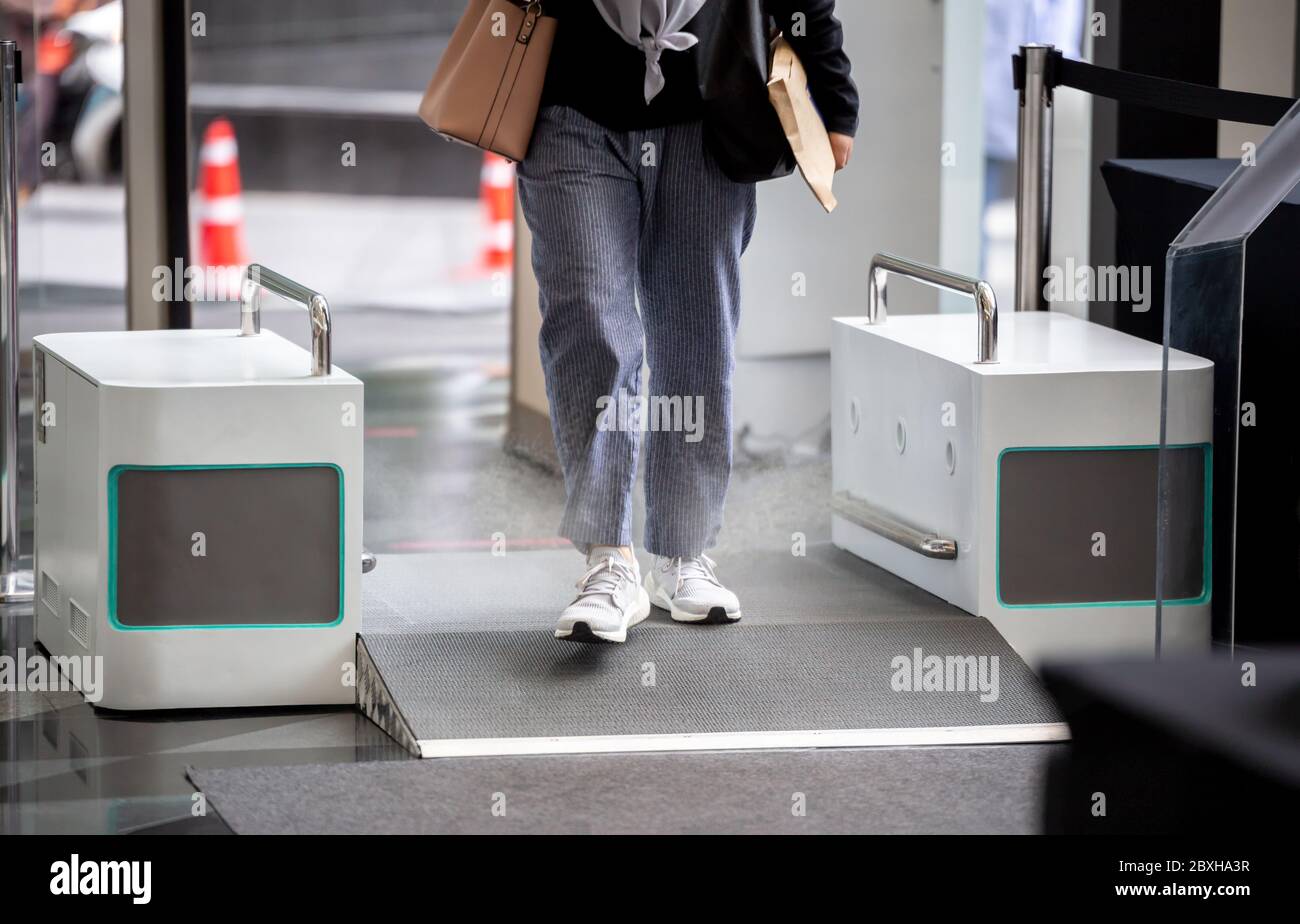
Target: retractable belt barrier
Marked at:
1191, 99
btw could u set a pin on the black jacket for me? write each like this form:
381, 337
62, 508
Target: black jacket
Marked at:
821, 51
594, 71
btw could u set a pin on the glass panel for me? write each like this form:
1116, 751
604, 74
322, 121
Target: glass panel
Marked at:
1233, 305
71, 211
310, 160
1006, 27
72, 222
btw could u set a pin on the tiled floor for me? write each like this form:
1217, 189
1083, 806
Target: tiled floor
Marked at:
64, 768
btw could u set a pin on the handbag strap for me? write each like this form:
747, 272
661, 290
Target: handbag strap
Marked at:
532, 12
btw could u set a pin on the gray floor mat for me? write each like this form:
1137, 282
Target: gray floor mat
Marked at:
706, 679
463, 643
873, 790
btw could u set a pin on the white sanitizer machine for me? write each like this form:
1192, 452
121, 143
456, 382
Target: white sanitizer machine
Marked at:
199, 512
1017, 479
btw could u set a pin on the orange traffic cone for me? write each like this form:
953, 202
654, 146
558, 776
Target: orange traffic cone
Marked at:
221, 213
497, 192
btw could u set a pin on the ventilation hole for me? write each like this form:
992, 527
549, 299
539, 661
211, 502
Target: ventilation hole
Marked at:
50, 593
78, 623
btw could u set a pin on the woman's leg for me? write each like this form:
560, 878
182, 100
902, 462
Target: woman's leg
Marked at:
582, 204
697, 225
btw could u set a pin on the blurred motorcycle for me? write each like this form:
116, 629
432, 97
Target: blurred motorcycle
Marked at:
80, 63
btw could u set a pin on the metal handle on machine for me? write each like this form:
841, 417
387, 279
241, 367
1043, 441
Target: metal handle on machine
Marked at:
258, 278
871, 517
986, 305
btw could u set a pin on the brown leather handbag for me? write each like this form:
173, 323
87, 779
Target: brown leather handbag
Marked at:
487, 87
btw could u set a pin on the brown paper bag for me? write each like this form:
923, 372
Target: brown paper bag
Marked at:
787, 88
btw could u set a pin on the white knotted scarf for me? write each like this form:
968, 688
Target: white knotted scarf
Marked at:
654, 26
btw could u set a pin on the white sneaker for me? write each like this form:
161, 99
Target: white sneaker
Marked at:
610, 600
689, 590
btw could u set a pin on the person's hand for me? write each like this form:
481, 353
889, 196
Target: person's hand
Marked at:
841, 147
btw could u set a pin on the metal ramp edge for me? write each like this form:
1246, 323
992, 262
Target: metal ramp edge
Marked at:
377, 703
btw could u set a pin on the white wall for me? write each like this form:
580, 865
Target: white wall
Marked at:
889, 200
1072, 177
888, 196
527, 383
1256, 53
962, 179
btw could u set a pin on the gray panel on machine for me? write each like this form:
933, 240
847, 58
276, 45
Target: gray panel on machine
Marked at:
271, 540
1052, 503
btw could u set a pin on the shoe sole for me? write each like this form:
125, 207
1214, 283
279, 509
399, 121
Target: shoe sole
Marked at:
716, 616
583, 632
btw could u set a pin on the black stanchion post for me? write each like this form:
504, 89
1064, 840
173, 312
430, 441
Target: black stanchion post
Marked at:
1034, 178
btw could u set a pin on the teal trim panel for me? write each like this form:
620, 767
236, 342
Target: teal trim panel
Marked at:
117, 470
1204, 596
